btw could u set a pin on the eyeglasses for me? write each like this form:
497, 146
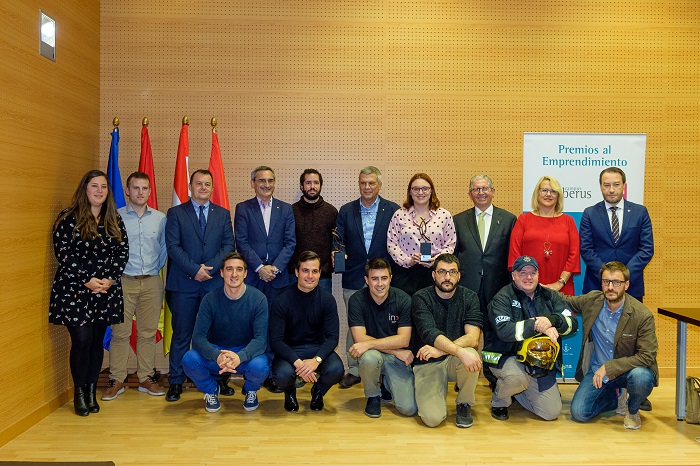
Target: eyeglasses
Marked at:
615, 283
481, 190
547, 191
443, 272
420, 189
525, 273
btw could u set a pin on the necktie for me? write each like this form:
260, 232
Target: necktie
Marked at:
615, 224
202, 219
482, 229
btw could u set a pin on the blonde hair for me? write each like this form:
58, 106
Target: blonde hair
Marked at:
554, 184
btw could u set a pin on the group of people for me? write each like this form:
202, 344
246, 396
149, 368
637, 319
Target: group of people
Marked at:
430, 298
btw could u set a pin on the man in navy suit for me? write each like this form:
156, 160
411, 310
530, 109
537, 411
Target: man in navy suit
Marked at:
198, 234
634, 245
362, 225
265, 235
483, 261
616, 229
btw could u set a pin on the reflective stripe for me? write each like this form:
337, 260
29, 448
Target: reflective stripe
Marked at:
491, 357
519, 329
569, 325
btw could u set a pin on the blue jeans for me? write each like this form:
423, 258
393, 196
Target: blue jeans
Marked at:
330, 370
204, 372
588, 401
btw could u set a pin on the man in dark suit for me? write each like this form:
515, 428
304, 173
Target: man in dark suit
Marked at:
616, 229
632, 244
362, 225
483, 250
265, 235
198, 234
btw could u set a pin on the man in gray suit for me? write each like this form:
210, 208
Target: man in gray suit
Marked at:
483, 239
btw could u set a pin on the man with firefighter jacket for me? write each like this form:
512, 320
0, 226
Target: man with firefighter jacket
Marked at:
525, 321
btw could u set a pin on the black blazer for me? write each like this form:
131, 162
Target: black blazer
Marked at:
486, 268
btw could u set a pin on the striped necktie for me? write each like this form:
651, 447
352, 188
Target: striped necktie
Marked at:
615, 224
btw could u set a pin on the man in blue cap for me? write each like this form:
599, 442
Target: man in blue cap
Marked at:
520, 311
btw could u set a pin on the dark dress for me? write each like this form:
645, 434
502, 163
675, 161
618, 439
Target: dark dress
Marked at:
72, 303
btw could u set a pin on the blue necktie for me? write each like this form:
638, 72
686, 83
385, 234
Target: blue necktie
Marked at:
202, 219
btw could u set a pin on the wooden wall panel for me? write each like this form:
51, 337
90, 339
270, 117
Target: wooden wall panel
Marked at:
445, 87
48, 140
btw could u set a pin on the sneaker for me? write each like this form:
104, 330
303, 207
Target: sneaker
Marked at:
151, 387
374, 407
251, 401
622, 403
632, 421
211, 401
114, 390
464, 415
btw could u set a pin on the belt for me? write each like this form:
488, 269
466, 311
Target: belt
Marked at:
139, 277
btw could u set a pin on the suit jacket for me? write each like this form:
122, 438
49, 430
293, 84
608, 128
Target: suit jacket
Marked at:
635, 343
260, 248
487, 267
349, 226
188, 249
634, 248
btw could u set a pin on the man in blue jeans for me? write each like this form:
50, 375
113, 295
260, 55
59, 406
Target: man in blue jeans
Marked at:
617, 368
230, 336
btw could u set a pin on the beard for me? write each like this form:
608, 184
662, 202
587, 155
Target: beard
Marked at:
446, 286
619, 296
311, 197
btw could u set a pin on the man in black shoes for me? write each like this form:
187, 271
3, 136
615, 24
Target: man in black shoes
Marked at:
304, 329
448, 322
379, 317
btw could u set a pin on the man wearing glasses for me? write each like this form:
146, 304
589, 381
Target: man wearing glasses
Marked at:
483, 239
448, 324
520, 311
619, 350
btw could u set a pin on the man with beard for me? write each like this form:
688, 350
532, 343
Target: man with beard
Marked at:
448, 323
315, 221
619, 350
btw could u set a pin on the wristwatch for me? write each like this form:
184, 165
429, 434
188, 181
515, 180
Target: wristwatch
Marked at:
318, 359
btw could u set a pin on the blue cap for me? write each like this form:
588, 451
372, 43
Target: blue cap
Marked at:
524, 261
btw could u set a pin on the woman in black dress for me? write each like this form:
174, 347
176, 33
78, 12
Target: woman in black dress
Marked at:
91, 247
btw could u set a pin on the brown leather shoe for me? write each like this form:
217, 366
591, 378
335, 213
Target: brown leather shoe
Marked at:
151, 387
114, 390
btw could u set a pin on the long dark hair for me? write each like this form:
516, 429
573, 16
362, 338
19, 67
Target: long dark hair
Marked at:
85, 222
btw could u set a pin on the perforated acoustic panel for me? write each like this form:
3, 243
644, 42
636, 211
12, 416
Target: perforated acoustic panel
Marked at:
442, 87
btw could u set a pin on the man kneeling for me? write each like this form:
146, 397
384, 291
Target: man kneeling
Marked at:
520, 311
230, 336
379, 317
609, 365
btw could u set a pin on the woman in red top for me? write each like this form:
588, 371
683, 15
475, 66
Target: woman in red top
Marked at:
548, 235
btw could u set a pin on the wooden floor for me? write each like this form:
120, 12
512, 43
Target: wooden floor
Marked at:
140, 429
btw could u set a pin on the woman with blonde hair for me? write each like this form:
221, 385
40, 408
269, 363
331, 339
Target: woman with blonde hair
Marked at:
91, 247
421, 220
548, 235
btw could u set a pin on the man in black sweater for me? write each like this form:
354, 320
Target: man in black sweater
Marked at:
303, 334
448, 323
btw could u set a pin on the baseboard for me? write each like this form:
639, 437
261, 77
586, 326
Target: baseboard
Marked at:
34, 417
670, 372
